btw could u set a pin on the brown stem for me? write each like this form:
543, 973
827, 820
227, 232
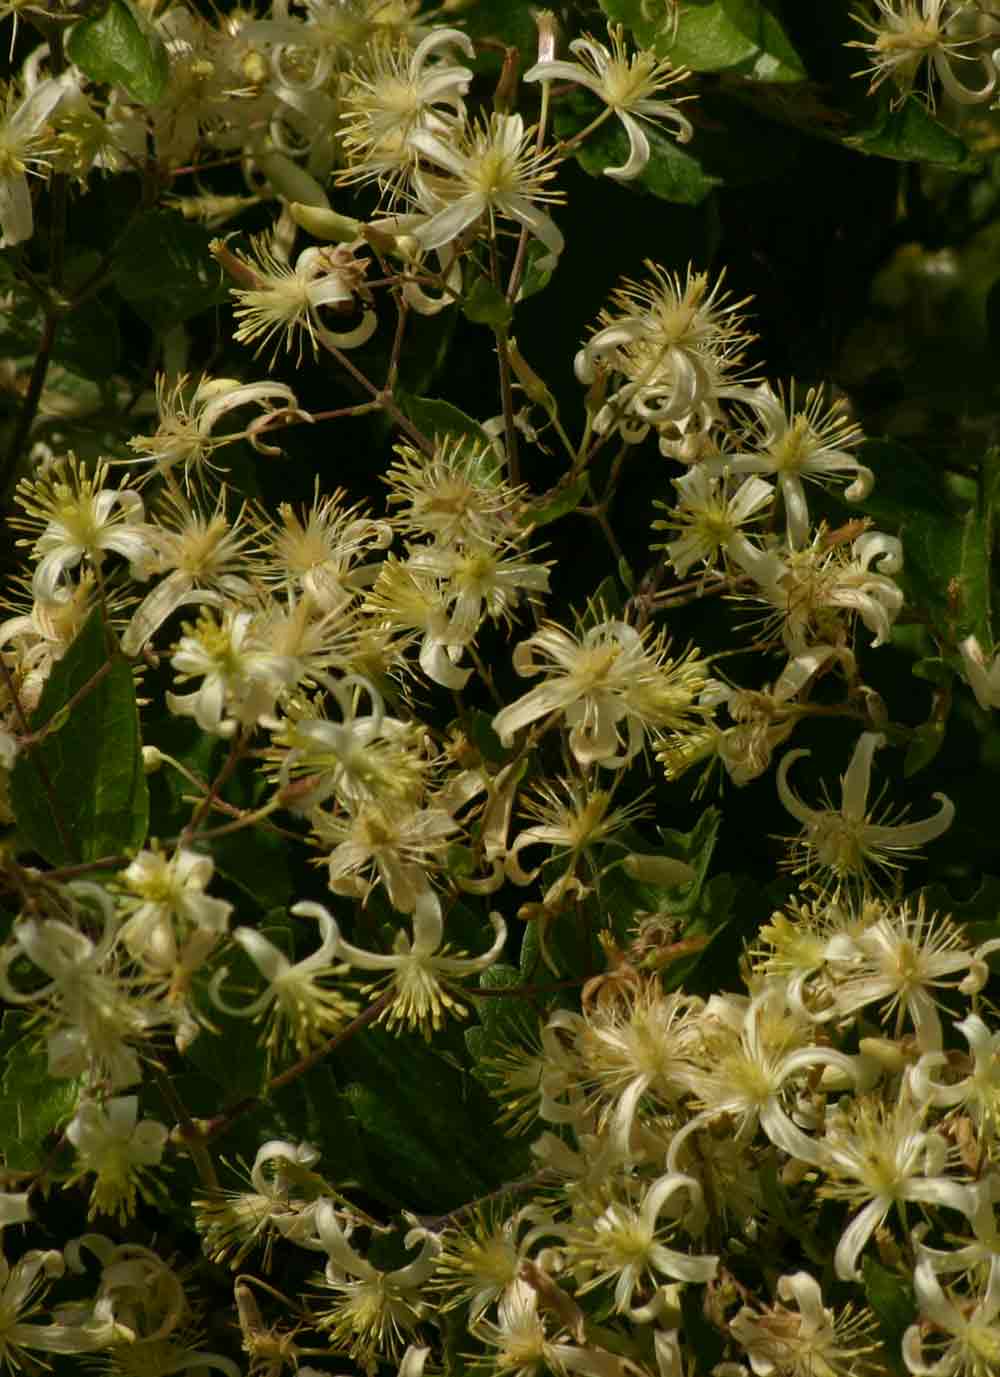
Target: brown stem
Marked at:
193, 1137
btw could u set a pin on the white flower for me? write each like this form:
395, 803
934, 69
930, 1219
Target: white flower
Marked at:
80, 518
117, 1149
394, 91
612, 681
748, 1073
200, 555
169, 911
624, 1244
187, 418
819, 588
983, 679
418, 968
394, 841
373, 1309
909, 33
790, 444
809, 1341
282, 1201
240, 679
709, 514
901, 955
628, 84
22, 150
844, 843
978, 1092
958, 1335
276, 300
22, 1287
92, 1014
299, 1002
497, 171
678, 345
882, 1155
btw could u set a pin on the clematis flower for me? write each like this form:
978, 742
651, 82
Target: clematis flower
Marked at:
397, 90
629, 85
908, 33
752, 1064
958, 1335
877, 1157
625, 1244
677, 344
275, 299
80, 519
789, 443
23, 149
811, 1339
418, 968
117, 1149
983, 679
187, 416
373, 1309
844, 843
300, 1004
612, 681
899, 955
170, 917
496, 171
709, 515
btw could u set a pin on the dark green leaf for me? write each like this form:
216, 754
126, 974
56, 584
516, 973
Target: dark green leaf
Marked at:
80, 793
32, 1104
673, 173
713, 36
511, 22
891, 1298
486, 305
701, 1338
911, 134
558, 501
924, 745
87, 340
164, 270
934, 670
975, 565
479, 725
123, 50
535, 279
441, 421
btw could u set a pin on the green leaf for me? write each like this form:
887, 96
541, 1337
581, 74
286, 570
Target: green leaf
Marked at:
441, 421
558, 501
80, 793
976, 551
121, 49
911, 134
511, 22
163, 269
87, 340
946, 562
673, 173
535, 279
694, 847
33, 1105
742, 36
479, 725
924, 745
701, 1337
485, 304
434, 1142
891, 1298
